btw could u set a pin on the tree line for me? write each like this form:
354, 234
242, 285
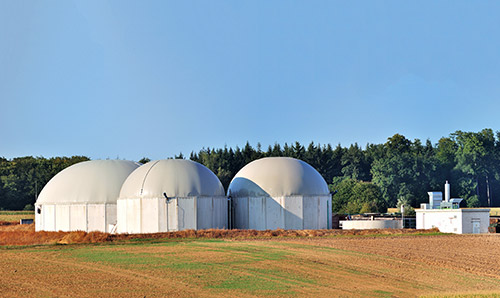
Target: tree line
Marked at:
22, 178
369, 179
378, 176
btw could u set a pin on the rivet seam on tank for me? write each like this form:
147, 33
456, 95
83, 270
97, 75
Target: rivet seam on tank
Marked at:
147, 173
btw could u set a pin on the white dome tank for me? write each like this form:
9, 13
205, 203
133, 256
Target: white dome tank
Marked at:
171, 195
280, 192
82, 196
276, 177
175, 177
95, 181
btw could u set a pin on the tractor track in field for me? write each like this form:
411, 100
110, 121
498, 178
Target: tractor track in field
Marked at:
479, 254
166, 286
344, 266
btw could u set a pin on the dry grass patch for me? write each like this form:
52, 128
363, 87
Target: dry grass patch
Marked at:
14, 234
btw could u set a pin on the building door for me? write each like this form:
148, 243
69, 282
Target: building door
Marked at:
476, 227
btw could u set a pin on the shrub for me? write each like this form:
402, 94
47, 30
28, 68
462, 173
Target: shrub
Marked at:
29, 207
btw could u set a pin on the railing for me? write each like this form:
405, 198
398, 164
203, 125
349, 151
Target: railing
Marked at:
409, 223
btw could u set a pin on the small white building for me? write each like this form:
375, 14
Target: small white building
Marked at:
171, 195
82, 197
280, 193
448, 217
458, 221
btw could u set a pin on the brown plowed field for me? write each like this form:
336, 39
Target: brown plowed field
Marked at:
328, 265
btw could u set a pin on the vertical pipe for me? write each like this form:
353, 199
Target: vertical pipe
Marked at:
176, 215
447, 191
196, 212
87, 216
488, 190
328, 216
159, 205
106, 230
230, 214
402, 216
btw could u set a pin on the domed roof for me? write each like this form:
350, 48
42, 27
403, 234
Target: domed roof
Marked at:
276, 177
95, 181
175, 177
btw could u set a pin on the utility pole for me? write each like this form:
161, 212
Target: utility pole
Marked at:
402, 216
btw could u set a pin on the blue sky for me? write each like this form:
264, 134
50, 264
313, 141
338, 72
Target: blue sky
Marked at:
130, 79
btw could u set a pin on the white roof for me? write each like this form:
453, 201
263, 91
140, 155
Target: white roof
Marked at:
276, 177
175, 177
95, 181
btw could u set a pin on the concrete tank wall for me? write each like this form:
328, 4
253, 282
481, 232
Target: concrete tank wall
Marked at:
288, 212
371, 224
75, 217
154, 215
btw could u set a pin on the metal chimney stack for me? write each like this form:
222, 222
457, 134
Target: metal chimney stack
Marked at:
446, 191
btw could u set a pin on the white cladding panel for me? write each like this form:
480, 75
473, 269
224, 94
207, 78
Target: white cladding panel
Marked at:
220, 214
187, 213
204, 213
133, 218
257, 213
325, 212
311, 212
149, 216
121, 216
274, 213
173, 222
111, 210
74, 217
217, 213
78, 217
240, 213
96, 217
294, 213
49, 217
62, 218
211, 212
155, 215
38, 218
162, 215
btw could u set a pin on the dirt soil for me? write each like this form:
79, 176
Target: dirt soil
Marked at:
477, 254
344, 265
